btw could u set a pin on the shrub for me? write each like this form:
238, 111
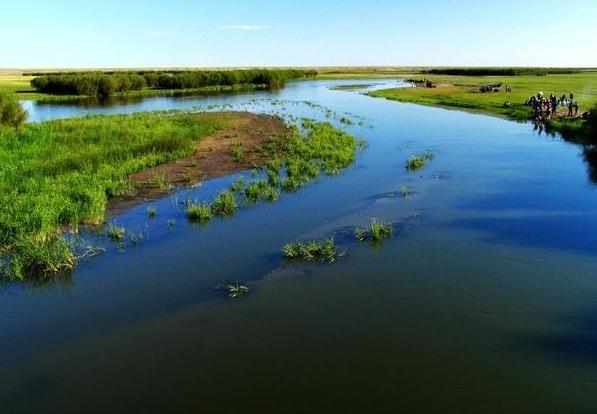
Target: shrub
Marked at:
11, 112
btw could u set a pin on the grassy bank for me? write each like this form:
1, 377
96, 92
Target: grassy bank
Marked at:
462, 92
58, 175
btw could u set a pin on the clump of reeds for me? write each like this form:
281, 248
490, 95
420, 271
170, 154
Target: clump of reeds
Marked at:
198, 212
375, 232
315, 250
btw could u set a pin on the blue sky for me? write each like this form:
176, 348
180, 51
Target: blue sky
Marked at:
120, 33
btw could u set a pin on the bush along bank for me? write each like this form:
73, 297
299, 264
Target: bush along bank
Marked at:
103, 85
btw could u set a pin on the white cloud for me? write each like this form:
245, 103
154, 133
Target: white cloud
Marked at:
246, 27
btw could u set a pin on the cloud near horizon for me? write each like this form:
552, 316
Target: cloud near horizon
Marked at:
246, 27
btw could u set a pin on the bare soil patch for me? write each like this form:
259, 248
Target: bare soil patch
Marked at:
213, 157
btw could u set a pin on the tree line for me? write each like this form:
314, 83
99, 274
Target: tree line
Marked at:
105, 84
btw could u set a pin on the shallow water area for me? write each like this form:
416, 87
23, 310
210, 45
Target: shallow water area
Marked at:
484, 299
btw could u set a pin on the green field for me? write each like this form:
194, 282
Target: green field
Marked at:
462, 92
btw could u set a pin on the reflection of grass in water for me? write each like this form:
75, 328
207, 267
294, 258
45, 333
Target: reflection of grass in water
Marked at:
324, 251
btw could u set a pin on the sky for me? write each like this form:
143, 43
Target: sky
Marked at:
219, 33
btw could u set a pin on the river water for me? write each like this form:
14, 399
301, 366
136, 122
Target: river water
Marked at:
485, 299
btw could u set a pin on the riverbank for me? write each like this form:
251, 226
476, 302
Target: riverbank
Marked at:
61, 174
463, 93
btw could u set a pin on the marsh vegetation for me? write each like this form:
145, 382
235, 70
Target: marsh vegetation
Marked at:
375, 232
312, 251
58, 175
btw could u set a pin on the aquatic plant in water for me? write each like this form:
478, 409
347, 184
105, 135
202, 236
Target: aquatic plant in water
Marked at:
315, 250
116, 233
237, 289
416, 162
375, 232
224, 204
198, 212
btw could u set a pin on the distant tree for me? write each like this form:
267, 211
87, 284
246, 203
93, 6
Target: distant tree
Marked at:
107, 86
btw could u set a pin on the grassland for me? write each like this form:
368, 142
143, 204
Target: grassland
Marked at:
462, 92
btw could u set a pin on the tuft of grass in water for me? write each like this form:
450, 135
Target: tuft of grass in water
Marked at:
376, 231
199, 212
416, 162
116, 233
33, 259
238, 152
261, 190
224, 204
237, 289
238, 185
152, 212
324, 251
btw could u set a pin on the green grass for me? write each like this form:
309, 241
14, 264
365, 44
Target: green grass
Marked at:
376, 231
60, 174
199, 212
238, 152
224, 204
261, 190
311, 251
462, 92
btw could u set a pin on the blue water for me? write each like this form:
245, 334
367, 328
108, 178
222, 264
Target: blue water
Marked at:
485, 299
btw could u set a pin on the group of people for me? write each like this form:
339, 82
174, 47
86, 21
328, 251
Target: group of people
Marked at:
546, 107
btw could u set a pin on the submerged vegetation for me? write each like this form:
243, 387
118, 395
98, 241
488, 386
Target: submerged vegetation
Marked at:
312, 251
105, 84
376, 231
237, 289
416, 162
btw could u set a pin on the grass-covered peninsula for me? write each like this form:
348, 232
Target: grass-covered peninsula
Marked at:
463, 91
